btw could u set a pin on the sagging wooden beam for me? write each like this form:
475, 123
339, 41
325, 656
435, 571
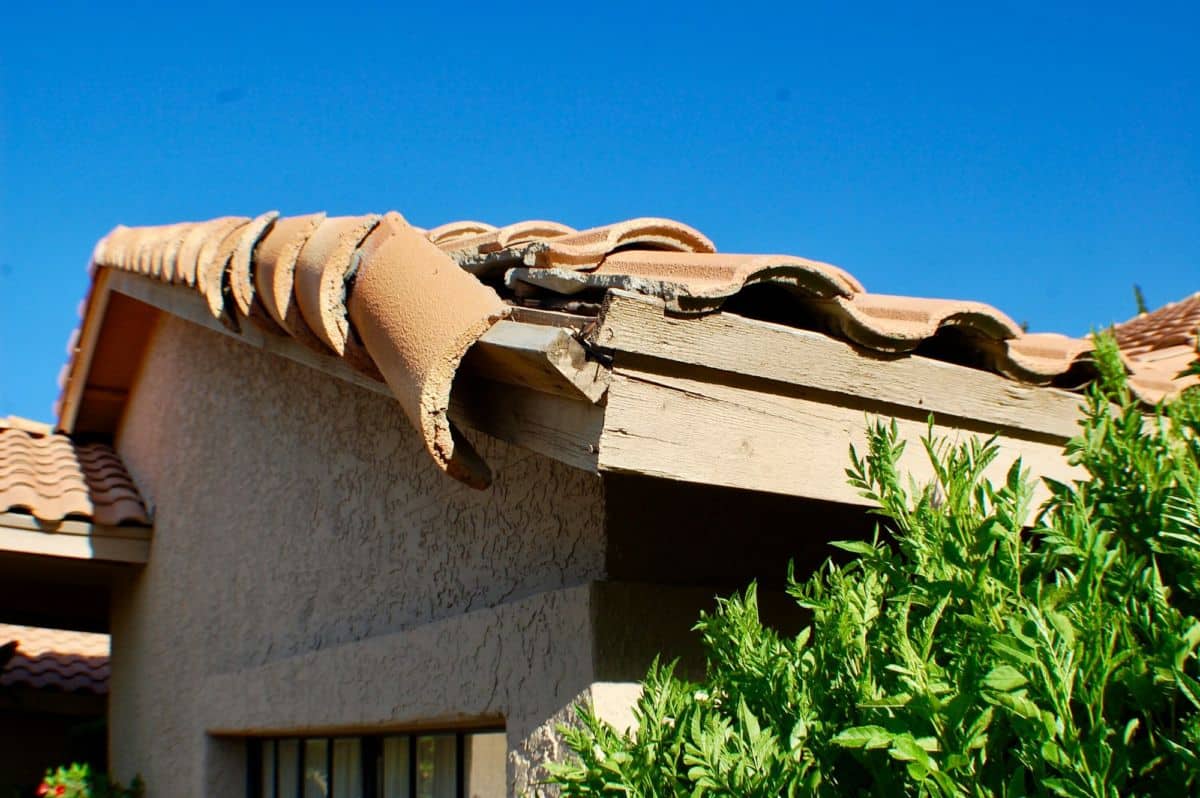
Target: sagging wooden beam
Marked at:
725, 342
752, 435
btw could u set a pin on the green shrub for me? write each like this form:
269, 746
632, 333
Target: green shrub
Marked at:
78, 781
973, 649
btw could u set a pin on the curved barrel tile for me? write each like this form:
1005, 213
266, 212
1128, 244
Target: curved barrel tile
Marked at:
464, 248
211, 256
1040, 358
418, 313
162, 265
275, 271
453, 231
189, 248
899, 324
694, 282
241, 269
587, 248
325, 263
211, 268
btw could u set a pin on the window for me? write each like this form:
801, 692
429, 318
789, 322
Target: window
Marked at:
430, 765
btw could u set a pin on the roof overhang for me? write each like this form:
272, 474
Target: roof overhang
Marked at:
71, 539
720, 399
742, 403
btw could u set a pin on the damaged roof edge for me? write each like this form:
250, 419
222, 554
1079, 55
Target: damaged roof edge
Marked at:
404, 306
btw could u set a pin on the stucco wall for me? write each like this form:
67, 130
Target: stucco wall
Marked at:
296, 515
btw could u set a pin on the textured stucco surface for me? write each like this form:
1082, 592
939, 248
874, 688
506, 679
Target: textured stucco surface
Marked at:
299, 523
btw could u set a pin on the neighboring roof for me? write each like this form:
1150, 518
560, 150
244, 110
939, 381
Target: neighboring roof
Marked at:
403, 305
51, 477
55, 659
1165, 339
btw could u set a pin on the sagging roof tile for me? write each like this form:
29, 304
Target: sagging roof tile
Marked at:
51, 477
55, 659
692, 282
402, 304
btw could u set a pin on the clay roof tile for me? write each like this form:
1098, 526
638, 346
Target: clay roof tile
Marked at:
403, 304
51, 477
56, 659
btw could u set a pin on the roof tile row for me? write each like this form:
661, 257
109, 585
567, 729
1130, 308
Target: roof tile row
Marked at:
51, 477
1164, 341
55, 659
405, 312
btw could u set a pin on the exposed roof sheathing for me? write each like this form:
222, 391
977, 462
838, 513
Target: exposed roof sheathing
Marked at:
51, 477
402, 304
55, 659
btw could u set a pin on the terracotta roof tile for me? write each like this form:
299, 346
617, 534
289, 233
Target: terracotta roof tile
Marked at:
55, 659
393, 301
1161, 344
51, 477
275, 270
418, 314
1174, 324
323, 267
457, 231
692, 281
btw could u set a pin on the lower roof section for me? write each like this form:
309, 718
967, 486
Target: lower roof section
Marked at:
53, 659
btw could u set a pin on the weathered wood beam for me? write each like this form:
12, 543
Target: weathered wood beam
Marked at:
71, 539
546, 423
742, 435
730, 343
545, 359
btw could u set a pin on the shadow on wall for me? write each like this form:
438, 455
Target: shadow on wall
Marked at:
40, 730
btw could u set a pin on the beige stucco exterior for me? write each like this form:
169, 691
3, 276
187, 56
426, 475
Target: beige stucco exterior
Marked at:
311, 571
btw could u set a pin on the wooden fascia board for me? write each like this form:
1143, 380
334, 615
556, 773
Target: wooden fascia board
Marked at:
528, 384
733, 344
81, 363
749, 435
730, 401
71, 539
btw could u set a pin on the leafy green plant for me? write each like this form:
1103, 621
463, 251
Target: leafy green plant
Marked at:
78, 781
974, 648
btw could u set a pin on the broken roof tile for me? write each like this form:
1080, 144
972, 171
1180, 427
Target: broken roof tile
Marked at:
693, 282
51, 477
419, 299
900, 324
418, 314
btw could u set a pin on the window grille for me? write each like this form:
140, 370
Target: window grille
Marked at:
452, 764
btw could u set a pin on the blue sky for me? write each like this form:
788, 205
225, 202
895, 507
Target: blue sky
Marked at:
1039, 157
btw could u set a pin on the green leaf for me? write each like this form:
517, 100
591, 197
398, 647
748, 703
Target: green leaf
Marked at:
1005, 679
868, 737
